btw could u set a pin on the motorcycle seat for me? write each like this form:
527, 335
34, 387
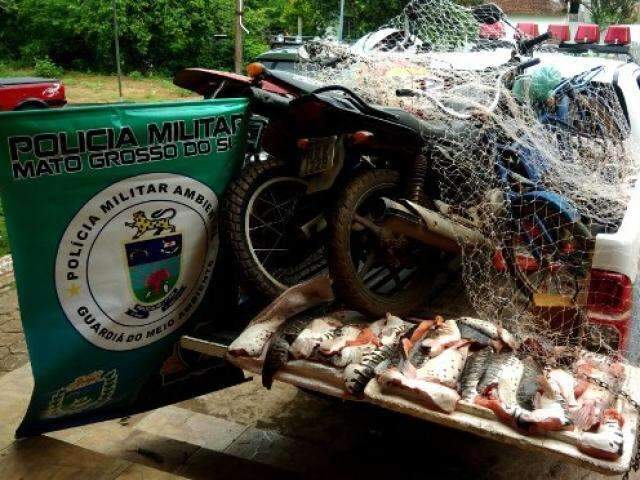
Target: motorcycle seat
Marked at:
431, 130
305, 85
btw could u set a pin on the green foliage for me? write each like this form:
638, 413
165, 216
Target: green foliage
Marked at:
44, 67
607, 12
4, 237
163, 36
136, 75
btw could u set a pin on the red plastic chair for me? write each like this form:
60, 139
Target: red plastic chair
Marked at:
587, 33
559, 32
495, 31
618, 35
528, 29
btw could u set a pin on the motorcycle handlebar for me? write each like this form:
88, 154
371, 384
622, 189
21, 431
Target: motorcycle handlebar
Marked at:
528, 64
528, 45
405, 92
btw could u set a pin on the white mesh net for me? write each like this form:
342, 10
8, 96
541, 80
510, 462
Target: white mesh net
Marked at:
532, 164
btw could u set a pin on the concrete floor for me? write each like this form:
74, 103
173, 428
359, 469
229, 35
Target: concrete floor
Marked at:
249, 432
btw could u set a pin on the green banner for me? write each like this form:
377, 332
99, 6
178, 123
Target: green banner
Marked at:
112, 213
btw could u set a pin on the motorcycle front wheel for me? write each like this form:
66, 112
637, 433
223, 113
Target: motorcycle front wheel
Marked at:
274, 228
371, 274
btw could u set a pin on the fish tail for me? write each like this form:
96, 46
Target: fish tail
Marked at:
276, 357
267, 377
586, 416
496, 407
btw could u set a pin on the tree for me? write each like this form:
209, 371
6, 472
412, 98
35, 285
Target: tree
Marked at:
607, 12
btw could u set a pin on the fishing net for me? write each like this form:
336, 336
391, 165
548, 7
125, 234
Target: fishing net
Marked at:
531, 179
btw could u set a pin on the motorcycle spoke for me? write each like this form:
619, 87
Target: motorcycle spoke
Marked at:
373, 274
402, 283
275, 246
267, 225
371, 258
391, 275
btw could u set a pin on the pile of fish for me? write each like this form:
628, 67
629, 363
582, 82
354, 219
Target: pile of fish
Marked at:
444, 364
338, 339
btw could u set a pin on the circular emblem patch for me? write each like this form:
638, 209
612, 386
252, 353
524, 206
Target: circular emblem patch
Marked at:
135, 262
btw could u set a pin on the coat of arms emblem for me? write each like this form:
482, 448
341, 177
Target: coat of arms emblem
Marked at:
154, 264
87, 392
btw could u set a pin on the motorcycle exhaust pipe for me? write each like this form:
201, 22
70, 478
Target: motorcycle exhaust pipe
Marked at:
429, 227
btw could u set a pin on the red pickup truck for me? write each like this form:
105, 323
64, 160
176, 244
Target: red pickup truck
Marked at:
23, 93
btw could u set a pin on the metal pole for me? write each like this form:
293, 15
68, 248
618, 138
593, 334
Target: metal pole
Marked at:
341, 21
299, 29
116, 40
239, 41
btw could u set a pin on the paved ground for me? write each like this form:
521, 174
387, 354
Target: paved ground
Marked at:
248, 432
13, 349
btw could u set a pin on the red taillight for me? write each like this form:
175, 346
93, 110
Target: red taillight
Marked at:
559, 32
610, 292
527, 29
304, 143
362, 138
618, 35
587, 33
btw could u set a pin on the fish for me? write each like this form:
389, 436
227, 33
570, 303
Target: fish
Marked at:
431, 395
299, 298
319, 330
446, 368
387, 329
440, 337
472, 373
506, 389
548, 413
594, 399
476, 336
529, 384
349, 335
254, 340
608, 442
358, 375
561, 385
370, 342
279, 349
483, 329
527, 401
492, 373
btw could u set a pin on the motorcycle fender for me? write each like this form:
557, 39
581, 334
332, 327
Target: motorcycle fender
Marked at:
324, 181
560, 203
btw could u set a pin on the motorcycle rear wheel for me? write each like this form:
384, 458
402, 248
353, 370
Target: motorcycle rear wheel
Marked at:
359, 264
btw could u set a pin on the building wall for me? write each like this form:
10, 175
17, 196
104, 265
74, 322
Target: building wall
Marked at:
531, 7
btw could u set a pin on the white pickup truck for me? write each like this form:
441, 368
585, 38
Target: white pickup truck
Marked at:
614, 298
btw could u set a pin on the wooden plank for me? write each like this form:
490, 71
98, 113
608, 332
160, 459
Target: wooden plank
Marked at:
468, 417
204, 347
482, 422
